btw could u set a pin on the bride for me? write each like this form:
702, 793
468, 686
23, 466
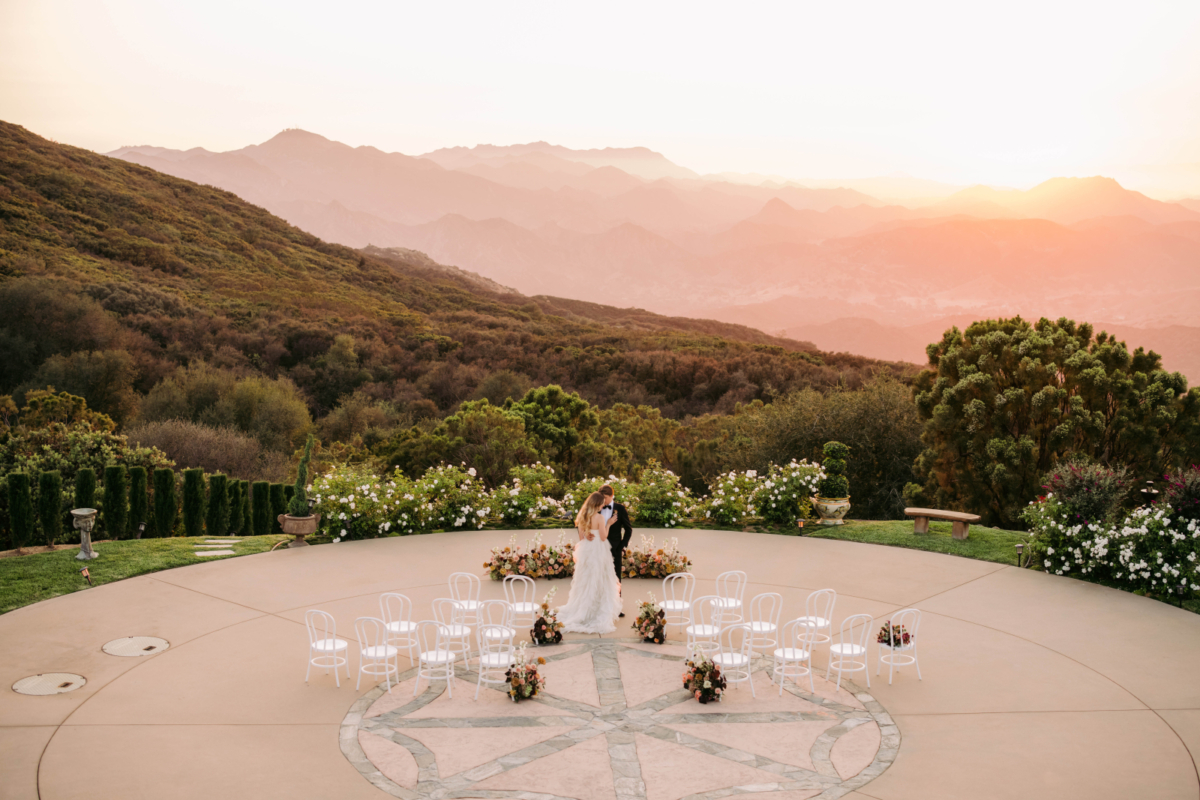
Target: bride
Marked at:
595, 598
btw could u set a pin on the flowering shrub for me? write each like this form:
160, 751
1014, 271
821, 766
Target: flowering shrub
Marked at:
523, 679
1183, 492
785, 496
1088, 492
455, 498
538, 561
546, 628
626, 493
703, 678
646, 561
354, 503
661, 501
732, 498
527, 497
651, 622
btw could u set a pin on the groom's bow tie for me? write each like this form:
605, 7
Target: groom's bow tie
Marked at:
606, 508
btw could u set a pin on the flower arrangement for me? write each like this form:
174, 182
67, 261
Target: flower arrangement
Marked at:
651, 622
546, 628
536, 560
703, 678
894, 635
524, 681
785, 496
646, 561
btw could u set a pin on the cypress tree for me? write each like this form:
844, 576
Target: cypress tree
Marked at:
278, 506
193, 502
234, 488
116, 501
217, 520
261, 508
20, 509
298, 504
139, 499
50, 509
247, 514
165, 509
85, 488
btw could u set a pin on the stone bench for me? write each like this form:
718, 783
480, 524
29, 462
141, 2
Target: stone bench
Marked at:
921, 516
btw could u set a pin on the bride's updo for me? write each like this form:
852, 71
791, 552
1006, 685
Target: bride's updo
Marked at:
590, 508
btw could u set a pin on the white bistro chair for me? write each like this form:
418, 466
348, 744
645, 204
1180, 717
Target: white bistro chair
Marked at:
764, 620
455, 635
735, 655
793, 657
436, 662
496, 615
396, 612
496, 654
731, 589
818, 615
704, 625
464, 589
375, 656
677, 597
901, 655
519, 592
324, 648
849, 652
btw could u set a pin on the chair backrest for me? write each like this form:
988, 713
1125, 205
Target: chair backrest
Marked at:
496, 639
737, 639
496, 612
371, 632
394, 607
855, 629
766, 607
320, 624
464, 586
429, 632
910, 620
731, 585
820, 604
679, 586
706, 610
519, 589
446, 611
795, 635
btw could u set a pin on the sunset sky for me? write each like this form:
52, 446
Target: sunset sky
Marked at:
963, 92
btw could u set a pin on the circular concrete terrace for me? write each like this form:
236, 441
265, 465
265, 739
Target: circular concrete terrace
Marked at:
1034, 686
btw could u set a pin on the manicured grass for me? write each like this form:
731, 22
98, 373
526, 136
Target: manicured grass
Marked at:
28, 579
984, 544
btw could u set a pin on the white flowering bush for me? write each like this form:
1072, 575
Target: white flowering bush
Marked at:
785, 495
731, 498
454, 498
626, 494
661, 501
354, 503
526, 496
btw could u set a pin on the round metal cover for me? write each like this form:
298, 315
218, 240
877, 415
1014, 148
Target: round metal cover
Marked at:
49, 683
133, 646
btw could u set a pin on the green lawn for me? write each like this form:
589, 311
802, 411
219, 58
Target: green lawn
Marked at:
984, 544
28, 579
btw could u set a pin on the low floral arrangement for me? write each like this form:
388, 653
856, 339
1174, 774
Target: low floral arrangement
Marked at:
651, 621
703, 679
524, 681
535, 560
646, 561
546, 628
893, 636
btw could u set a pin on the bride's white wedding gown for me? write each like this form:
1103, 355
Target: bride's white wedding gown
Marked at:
595, 598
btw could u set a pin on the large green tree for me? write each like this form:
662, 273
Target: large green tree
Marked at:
565, 425
1004, 401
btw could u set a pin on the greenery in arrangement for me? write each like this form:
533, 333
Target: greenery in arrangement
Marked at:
166, 509
298, 505
115, 516
20, 509
194, 503
216, 518
703, 678
139, 498
546, 628
834, 485
651, 622
50, 506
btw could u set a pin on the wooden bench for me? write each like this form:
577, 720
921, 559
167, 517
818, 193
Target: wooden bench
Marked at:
921, 516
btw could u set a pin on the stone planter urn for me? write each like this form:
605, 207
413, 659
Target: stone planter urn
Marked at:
299, 527
831, 509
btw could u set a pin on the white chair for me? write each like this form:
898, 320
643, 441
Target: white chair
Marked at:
375, 656
496, 654
496, 615
436, 662
677, 597
764, 620
901, 655
323, 645
731, 589
519, 592
396, 612
793, 658
704, 625
464, 588
818, 615
849, 652
736, 658
455, 635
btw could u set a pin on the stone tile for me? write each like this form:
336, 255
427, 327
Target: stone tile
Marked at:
572, 678
739, 700
461, 749
647, 678
394, 761
491, 703
854, 751
582, 772
672, 771
785, 742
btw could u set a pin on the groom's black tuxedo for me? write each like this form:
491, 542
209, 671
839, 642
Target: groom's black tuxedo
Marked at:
619, 535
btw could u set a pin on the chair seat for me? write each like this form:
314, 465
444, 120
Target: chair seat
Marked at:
791, 654
848, 649
762, 627
730, 660
676, 605
702, 630
401, 626
467, 605
524, 608
455, 631
438, 657
813, 622
496, 660
898, 648
380, 651
329, 645
497, 633
729, 602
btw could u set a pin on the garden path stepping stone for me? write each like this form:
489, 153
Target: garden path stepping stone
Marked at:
203, 553
221, 541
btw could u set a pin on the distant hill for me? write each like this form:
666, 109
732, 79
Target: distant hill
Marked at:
640, 161
1069, 200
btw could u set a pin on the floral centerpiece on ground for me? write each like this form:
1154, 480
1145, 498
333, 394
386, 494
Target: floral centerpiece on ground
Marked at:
547, 628
703, 678
524, 681
893, 635
651, 621
535, 560
647, 561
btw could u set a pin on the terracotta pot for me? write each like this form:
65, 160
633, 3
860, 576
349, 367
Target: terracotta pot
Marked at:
831, 509
299, 527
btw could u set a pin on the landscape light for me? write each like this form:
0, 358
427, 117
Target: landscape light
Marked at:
141, 529
311, 502
1020, 550
85, 518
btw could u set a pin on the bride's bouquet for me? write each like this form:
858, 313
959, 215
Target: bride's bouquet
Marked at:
524, 681
651, 621
546, 628
703, 678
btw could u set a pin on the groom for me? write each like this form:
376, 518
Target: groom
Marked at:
618, 534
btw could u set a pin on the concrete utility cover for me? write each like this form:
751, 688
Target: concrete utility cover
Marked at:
133, 646
49, 683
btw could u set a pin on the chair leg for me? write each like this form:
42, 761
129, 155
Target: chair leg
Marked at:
750, 680
417, 685
917, 664
812, 689
308, 671
361, 665
335, 670
450, 680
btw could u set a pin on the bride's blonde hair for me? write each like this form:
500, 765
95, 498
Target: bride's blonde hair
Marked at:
590, 508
